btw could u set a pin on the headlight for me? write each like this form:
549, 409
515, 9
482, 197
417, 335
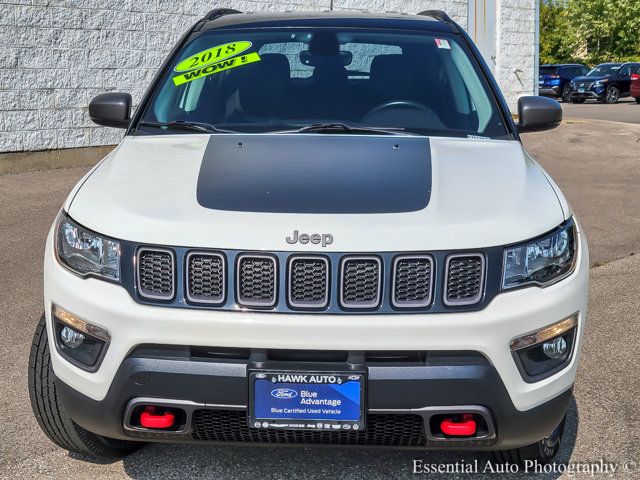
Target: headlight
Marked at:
542, 261
86, 252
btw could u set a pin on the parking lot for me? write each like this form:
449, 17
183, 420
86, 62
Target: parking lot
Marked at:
595, 163
626, 110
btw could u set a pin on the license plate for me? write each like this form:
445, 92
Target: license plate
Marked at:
581, 90
306, 401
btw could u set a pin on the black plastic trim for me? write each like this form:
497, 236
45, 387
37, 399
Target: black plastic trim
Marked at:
447, 381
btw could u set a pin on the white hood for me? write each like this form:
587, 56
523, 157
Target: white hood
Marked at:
483, 193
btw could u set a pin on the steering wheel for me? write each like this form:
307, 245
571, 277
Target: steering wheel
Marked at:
398, 104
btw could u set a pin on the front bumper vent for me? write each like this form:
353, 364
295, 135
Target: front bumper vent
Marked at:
309, 282
464, 279
392, 430
256, 279
206, 277
412, 281
156, 273
360, 282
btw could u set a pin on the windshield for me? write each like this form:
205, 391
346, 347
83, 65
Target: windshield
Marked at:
604, 70
273, 80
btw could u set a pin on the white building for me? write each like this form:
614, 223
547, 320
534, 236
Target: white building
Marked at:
56, 55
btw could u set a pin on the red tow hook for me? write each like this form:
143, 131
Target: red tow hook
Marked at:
149, 418
465, 428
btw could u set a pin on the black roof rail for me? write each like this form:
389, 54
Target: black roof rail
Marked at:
437, 14
220, 12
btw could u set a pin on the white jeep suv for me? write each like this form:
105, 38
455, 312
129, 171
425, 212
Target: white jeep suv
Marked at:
318, 228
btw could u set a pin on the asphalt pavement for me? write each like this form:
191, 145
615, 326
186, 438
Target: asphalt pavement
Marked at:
596, 164
626, 111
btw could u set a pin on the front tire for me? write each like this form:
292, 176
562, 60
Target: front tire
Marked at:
637, 99
52, 417
612, 95
542, 451
566, 94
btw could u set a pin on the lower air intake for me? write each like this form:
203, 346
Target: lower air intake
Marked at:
386, 430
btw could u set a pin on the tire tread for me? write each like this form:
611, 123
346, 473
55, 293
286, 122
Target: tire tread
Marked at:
50, 413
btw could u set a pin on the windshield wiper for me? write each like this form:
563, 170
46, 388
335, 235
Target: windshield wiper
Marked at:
185, 125
337, 127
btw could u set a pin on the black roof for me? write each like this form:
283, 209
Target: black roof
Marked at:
344, 19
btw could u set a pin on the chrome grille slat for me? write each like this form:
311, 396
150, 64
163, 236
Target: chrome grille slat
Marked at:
256, 279
464, 279
360, 282
412, 281
206, 277
308, 281
155, 273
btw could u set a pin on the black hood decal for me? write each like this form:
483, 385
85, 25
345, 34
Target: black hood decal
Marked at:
315, 173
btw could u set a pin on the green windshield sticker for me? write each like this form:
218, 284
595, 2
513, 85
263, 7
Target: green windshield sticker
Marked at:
215, 68
212, 55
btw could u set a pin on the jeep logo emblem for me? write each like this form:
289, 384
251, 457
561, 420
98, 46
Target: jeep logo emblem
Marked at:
316, 238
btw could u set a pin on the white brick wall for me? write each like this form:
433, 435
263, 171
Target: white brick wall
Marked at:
55, 55
516, 48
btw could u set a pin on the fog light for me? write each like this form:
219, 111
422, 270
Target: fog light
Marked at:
78, 341
546, 351
555, 348
71, 338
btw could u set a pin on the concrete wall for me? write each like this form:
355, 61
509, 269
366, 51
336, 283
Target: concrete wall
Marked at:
55, 55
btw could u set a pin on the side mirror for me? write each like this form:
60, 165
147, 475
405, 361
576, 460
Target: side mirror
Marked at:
538, 113
111, 109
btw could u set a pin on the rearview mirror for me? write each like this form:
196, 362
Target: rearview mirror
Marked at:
538, 113
111, 109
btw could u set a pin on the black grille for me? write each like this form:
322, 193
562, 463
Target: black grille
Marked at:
360, 286
309, 282
156, 274
231, 426
464, 279
205, 277
256, 280
412, 281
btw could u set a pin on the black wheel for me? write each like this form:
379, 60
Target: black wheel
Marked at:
543, 451
566, 93
612, 95
51, 414
637, 99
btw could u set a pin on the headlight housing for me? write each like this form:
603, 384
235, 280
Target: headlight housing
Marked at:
542, 261
85, 252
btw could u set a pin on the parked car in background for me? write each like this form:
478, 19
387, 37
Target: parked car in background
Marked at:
607, 82
554, 79
635, 84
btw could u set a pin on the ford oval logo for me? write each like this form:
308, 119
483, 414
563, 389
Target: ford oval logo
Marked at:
284, 393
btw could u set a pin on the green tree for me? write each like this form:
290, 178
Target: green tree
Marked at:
558, 40
610, 30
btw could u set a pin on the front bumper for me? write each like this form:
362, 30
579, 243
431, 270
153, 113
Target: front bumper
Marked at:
587, 94
550, 91
401, 400
96, 400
